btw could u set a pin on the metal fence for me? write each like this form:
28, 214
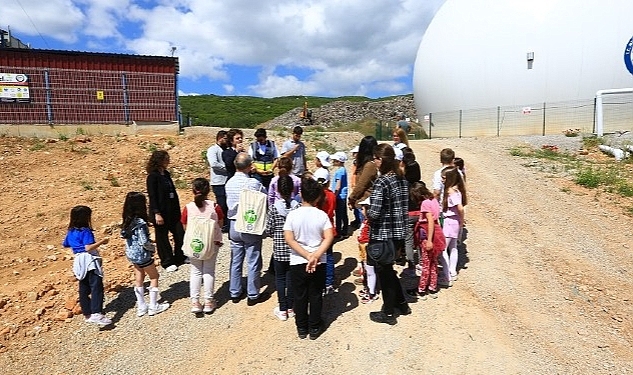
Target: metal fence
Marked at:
71, 96
532, 119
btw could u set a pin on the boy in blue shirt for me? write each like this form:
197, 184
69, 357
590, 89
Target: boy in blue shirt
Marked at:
339, 187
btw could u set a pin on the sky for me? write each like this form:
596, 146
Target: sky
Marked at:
263, 48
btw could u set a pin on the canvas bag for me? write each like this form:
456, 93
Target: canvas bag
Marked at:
202, 233
251, 212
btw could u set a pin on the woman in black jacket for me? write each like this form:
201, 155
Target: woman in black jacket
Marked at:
164, 211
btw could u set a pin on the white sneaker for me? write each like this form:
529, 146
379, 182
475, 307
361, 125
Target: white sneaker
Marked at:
196, 307
141, 310
209, 306
99, 319
291, 313
172, 268
281, 315
159, 308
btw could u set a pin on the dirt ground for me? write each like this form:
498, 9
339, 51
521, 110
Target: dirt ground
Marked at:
546, 286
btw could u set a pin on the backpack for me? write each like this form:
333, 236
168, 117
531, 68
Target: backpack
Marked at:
202, 232
251, 212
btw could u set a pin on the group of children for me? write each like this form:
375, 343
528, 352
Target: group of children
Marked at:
303, 228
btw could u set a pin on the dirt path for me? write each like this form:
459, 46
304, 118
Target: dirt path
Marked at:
546, 290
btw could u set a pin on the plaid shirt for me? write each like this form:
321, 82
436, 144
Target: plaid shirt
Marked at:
388, 208
275, 229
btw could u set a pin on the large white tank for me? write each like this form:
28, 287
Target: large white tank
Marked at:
489, 53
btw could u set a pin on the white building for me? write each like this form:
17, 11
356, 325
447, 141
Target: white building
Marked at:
482, 54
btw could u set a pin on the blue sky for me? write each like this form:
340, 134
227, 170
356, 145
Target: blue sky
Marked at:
265, 48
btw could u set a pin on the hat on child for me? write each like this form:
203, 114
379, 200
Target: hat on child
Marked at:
354, 150
321, 174
340, 156
324, 158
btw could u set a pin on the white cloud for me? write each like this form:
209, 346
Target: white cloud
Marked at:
303, 47
58, 19
182, 93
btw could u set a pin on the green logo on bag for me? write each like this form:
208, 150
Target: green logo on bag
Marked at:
196, 245
250, 216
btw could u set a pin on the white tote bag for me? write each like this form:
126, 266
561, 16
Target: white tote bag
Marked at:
251, 212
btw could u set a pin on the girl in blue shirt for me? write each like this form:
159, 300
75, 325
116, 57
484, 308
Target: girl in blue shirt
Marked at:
87, 264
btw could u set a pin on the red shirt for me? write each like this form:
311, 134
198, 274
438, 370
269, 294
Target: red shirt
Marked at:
328, 205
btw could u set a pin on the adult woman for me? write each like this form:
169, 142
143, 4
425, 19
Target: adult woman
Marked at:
387, 216
366, 172
234, 138
164, 211
400, 139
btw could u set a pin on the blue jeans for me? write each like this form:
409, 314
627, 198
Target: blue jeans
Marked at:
283, 283
91, 293
329, 267
249, 247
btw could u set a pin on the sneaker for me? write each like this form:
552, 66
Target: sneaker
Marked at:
159, 308
433, 294
281, 315
363, 292
357, 272
141, 310
99, 319
329, 290
315, 333
381, 317
291, 313
454, 277
209, 306
172, 268
369, 298
423, 296
359, 281
403, 309
196, 307
302, 333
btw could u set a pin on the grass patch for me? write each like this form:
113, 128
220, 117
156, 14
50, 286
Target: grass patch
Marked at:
39, 145
62, 137
591, 142
86, 185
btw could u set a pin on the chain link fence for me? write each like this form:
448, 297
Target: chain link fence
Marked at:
533, 119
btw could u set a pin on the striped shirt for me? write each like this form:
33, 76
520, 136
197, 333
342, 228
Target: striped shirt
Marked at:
275, 229
388, 210
234, 187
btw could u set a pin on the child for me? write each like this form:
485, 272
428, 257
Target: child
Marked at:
429, 238
87, 265
322, 162
203, 269
369, 294
281, 252
447, 156
327, 204
459, 163
308, 232
339, 188
453, 209
139, 250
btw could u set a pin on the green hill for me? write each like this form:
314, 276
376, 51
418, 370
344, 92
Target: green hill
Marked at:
248, 111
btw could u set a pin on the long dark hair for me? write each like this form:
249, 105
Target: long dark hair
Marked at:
285, 187
453, 178
135, 205
201, 188
389, 163
365, 152
80, 217
418, 192
156, 161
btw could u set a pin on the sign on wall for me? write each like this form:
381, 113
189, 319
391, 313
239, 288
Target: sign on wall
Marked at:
14, 88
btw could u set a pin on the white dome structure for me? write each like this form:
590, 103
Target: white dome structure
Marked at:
489, 53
